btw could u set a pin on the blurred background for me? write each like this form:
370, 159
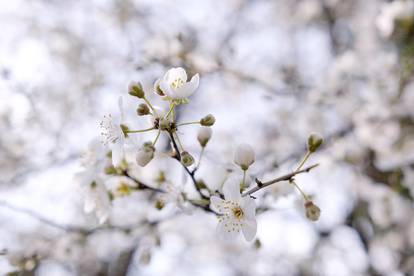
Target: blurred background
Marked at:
272, 72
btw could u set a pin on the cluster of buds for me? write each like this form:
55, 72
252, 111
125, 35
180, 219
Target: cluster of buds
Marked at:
174, 88
314, 142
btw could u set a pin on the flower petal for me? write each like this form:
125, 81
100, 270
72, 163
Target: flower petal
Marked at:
249, 229
249, 207
226, 231
165, 87
89, 204
188, 88
121, 109
176, 73
231, 189
102, 215
117, 153
216, 203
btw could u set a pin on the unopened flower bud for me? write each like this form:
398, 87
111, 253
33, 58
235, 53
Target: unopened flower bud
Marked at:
186, 159
145, 154
312, 211
314, 142
257, 244
143, 109
159, 204
164, 124
244, 156
200, 184
157, 88
204, 135
208, 120
135, 89
145, 257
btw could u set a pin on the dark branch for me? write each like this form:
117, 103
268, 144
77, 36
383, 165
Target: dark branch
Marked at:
177, 156
287, 177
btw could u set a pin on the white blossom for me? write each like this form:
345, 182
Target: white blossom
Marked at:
174, 84
244, 156
236, 213
175, 196
94, 156
93, 161
90, 179
113, 136
97, 200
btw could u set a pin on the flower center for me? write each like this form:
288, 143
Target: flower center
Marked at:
124, 189
177, 83
238, 212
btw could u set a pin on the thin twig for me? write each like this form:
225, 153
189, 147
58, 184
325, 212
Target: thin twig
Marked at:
45, 220
190, 173
142, 185
287, 177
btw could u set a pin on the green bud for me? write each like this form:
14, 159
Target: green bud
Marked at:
157, 88
159, 204
257, 244
135, 89
110, 170
186, 159
312, 211
111, 196
143, 109
208, 120
201, 185
314, 142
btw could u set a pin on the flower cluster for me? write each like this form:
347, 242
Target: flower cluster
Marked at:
233, 203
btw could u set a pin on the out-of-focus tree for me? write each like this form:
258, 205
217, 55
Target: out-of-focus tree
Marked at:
271, 72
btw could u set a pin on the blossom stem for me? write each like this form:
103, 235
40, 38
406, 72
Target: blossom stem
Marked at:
287, 177
156, 138
305, 158
244, 179
189, 123
150, 105
142, 130
179, 141
199, 159
305, 197
171, 111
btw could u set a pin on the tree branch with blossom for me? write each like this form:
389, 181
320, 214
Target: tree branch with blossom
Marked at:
234, 205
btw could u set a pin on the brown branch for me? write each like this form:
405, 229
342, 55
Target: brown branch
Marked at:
141, 185
45, 220
144, 186
177, 156
287, 177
